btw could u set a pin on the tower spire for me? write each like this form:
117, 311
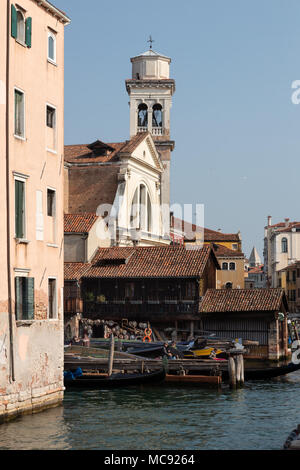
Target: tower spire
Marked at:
150, 40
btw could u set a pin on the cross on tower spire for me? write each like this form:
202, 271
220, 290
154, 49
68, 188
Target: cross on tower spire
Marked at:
151, 41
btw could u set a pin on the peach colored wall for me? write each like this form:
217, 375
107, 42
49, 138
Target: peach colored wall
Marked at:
38, 346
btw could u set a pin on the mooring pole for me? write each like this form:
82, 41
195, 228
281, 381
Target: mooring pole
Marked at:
111, 355
232, 372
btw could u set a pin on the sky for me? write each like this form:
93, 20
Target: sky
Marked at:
235, 126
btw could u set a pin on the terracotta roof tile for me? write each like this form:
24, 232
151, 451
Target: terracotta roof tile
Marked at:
149, 262
79, 223
242, 300
224, 252
74, 271
189, 230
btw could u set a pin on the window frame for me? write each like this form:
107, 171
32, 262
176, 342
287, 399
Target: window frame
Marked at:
22, 180
25, 285
284, 245
52, 34
17, 136
55, 317
53, 208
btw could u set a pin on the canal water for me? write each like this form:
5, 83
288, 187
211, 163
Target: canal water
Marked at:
258, 416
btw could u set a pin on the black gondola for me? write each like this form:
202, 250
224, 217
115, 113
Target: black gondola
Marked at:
270, 372
115, 380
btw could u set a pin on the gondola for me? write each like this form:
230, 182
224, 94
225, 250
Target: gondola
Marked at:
270, 372
95, 381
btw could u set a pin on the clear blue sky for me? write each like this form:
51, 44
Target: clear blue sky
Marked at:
236, 129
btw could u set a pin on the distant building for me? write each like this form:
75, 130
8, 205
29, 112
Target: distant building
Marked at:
289, 280
255, 278
254, 259
281, 248
31, 206
227, 247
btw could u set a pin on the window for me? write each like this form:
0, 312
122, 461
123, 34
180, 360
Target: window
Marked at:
141, 209
143, 115
284, 245
157, 116
51, 202
225, 266
21, 27
294, 275
234, 246
232, 266
24, 288
51, 47
19, 113
298, 272
51, 117
19, 209
52, 304
228, 285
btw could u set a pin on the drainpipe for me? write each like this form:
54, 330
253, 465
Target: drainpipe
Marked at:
10, 319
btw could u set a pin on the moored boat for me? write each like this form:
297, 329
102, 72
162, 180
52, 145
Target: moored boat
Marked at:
102, 381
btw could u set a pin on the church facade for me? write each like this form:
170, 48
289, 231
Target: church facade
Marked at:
127, 184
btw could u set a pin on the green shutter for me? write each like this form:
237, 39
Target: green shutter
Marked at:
13, 22
28, 28
18, 300
19, 208
28, 298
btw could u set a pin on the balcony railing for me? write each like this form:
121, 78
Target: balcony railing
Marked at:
142, 129
157, 131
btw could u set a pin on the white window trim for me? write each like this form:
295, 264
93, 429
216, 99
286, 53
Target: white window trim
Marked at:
54, 217
22, 178
54, 128
53, 36
56, 303
24, 95
23, 13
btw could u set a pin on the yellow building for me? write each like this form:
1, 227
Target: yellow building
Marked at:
227, 247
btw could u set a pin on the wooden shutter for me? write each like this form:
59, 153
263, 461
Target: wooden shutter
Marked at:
18, 300
28, 28
14, 27
19, 208
28, 307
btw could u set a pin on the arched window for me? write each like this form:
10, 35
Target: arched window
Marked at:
20, 27
228, 285
284, 245
157, 116
143, 115
232, 266
225, 266
51, 47
141, 210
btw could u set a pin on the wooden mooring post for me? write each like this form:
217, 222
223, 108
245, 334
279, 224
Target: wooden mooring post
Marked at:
236, 369
111, 355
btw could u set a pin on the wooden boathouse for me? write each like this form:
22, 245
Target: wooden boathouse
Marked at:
160, 285
253, 314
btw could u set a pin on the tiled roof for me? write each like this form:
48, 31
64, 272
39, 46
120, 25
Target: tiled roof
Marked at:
224, 252
74, 271
79, 223
89, 187
84, 154
189, 230
242, 300
256, 270
149, 262
284, 226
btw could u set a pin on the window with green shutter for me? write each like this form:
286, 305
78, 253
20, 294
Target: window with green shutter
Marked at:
19, 209
21, 27
24, 287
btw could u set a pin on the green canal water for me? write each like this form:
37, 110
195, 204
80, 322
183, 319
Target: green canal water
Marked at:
259, 416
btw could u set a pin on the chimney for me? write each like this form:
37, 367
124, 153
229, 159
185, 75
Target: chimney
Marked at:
286, 222
269, 220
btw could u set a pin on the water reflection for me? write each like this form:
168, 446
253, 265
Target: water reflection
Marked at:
259, 416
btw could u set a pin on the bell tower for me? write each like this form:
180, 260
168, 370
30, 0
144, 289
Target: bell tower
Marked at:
150, 90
